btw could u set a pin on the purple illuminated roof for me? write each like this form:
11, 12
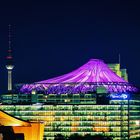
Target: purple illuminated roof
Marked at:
88, 77
93, 71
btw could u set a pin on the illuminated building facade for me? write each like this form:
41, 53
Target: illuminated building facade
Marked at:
12, 128
93, 99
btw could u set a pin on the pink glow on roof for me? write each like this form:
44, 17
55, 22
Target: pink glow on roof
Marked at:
93, 74
93, 71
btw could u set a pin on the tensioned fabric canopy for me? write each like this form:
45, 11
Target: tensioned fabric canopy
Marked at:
93, 71
88, 77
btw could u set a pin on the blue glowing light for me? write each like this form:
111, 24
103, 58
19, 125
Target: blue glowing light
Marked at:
119, 96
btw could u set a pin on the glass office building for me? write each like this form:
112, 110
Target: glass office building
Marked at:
99, 102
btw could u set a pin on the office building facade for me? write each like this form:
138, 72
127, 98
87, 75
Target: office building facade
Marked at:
93, 99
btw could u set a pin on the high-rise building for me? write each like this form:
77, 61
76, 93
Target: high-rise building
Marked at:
94, 99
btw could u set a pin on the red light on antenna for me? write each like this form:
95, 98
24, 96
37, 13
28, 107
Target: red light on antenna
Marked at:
9, 51
9, 57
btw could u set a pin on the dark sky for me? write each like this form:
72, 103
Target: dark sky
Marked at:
51, 38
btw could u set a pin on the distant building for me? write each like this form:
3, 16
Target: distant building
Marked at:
93, 99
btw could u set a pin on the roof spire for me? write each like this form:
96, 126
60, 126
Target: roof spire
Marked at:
119, 59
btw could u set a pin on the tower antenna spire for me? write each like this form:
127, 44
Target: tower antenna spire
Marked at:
9, 36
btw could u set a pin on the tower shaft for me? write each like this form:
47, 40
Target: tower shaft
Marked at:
9, 80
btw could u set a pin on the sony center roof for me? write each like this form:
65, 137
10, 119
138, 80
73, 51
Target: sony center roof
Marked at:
95, 73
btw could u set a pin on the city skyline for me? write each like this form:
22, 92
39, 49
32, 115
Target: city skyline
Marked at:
52, 39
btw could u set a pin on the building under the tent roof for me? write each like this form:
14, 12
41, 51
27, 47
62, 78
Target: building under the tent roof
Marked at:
94, 99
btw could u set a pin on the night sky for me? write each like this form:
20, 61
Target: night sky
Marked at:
52, 38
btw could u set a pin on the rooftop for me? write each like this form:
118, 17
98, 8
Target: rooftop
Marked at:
93, 74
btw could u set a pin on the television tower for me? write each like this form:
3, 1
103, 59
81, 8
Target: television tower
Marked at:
9, 61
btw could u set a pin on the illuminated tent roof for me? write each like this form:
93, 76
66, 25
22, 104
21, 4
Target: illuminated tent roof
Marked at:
91, 75
93, 71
